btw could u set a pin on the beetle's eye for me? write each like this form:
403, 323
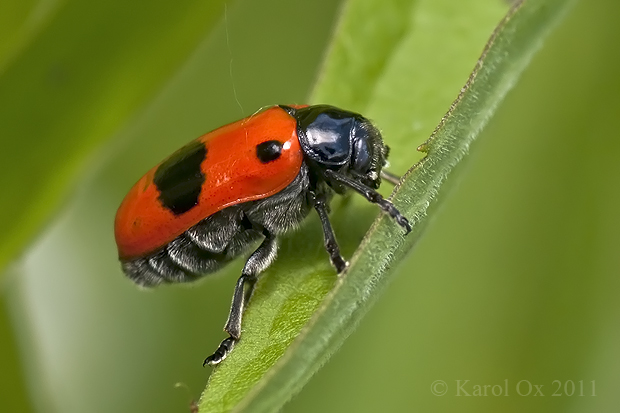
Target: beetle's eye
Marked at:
361, 154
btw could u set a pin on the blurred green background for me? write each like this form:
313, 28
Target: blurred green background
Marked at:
516, 279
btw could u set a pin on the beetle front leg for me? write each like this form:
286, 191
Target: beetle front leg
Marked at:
256, 263
372, 196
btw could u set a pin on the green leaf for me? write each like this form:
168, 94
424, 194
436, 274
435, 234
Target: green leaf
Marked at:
71, 73
300, 314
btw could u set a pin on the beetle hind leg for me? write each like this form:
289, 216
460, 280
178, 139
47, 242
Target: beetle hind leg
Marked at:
260, 259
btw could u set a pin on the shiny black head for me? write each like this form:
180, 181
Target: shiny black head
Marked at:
340, 140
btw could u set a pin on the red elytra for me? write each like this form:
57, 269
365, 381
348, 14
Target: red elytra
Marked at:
232, 174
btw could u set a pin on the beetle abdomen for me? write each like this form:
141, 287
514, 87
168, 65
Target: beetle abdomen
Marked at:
218, 239
188, 257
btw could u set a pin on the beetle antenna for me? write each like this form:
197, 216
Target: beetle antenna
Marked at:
390, 177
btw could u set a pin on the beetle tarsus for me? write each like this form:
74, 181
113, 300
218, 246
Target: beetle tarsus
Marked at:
226, 346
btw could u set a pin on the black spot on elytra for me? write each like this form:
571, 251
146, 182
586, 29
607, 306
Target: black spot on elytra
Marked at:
179, 178
268, 151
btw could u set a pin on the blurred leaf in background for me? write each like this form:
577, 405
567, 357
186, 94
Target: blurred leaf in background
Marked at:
71, 75
515, 280
78, 323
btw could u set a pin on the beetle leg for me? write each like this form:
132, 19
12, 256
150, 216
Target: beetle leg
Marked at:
330, 239
372, 196
256, 263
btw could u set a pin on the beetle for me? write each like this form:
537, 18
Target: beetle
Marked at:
249, 181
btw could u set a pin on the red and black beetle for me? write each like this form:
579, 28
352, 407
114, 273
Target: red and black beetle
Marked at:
246, 182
